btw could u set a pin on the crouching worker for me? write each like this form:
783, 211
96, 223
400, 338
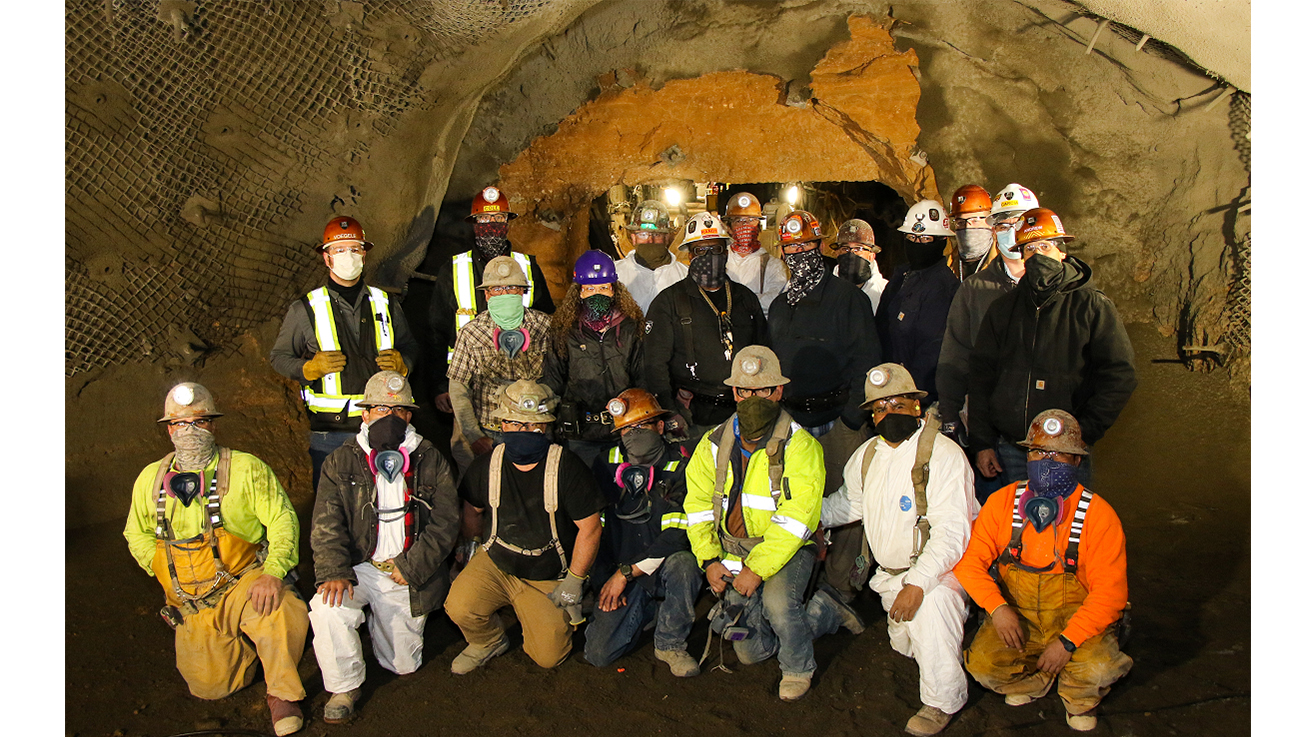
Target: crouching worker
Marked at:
386, 516
1049, 615
647, 571
218, 531
913, 482
534, 501
754, 492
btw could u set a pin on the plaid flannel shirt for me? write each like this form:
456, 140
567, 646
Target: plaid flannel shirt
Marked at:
477, 362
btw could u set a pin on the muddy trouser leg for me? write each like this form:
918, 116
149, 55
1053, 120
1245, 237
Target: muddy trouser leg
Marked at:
679, 584
336, 640
213, 658
1004, 670
279, 637
777, 619
396, 636
1095, 665
933, 639
477, 594
838, 445
613, 634
545, 628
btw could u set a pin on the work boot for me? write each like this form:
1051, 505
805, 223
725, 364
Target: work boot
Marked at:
1085, 722
1019, 699
793, 688
341, 706
849, 617
683, 666
475, 656
286, 715
929, 720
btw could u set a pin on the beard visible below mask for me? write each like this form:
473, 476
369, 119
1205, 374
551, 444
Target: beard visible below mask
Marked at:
756, 416
524, 448
644, 447
974, 243
746, 237
596, 307
193, 447
387, 432
896, 427
923, 255
854, 268
709, 270
653, 255
806, 271
491, 240
1050, 479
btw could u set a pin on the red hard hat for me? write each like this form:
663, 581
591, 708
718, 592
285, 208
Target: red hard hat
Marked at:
346, 230
490, 200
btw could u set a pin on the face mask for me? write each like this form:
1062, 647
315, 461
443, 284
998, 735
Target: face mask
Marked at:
596, 307
346, 266
746, 238
653, 255
1004, 242
193, 447
525, 448
709, 270
1050, 479
756, 416
387, 432
644, 447
1043, 274
806, 271
491, 240
853, 268
974, 243
507, 311
896, 428
923, 255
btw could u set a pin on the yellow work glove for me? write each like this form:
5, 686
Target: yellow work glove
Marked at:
323, 362
391, 360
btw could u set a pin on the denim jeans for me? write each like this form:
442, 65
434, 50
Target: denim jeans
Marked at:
322, 444
779, 622
1014, 460
671, 606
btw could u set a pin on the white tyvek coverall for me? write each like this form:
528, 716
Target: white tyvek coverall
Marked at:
643, 283
886, 505
746, 270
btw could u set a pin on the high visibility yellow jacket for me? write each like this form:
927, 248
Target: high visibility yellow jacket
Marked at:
785, 523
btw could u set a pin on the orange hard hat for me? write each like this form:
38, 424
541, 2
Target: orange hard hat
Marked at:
970, 200
744, 205
1039, 224
634, 406
799, 227
490, 200
346, 230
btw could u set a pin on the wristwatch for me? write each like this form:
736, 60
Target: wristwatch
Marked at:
1067, 644
627, 572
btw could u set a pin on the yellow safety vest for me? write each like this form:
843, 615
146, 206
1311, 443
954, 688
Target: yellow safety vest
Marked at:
463, 286
331, 399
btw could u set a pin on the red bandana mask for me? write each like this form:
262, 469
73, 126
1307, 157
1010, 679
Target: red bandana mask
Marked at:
745, 238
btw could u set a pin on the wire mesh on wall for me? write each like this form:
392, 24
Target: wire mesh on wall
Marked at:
191, 131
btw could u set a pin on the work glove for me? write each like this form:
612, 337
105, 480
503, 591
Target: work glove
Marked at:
323, 362
390, 359
568, 592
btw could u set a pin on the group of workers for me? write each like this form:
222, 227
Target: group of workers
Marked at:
781, 431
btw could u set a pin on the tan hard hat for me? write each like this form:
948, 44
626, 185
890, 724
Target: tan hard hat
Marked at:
388, 389
188, 400
526, 401
888, 380
755, 367
633, 407
1055, 429
503, 271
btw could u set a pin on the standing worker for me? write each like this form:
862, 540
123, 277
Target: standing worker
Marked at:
595, 352
747, 262
650, 267
970, 213
695, 326
856, 259
336, 337
219, 532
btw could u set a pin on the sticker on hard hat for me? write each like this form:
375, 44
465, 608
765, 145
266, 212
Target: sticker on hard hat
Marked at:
1032, 221
751, 366
690, 226
395, 383
933, 214
343, 224
616, 408
792, 226
1025, 192
491, 208
918, 227
877, 377
1009, 195
1059, 228
743, 201
710, 232
490, 194
183, 395
1052, 426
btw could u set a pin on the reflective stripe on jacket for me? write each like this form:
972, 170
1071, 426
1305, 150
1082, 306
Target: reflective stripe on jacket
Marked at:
464, 281
326, 394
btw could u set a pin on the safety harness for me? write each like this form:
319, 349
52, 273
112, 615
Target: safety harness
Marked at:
550, 504
325, 395
775, 448
1014, 551
919, 475
463, 287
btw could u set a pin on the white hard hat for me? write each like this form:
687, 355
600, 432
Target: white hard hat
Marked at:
703, 226
927, 218
1012, 200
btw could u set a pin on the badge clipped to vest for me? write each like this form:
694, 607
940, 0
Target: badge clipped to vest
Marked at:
185, 486
512, 342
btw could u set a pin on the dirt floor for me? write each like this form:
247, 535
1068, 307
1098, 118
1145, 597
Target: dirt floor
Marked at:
1178, 480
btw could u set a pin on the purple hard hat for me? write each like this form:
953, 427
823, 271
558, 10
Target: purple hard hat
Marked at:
594, 267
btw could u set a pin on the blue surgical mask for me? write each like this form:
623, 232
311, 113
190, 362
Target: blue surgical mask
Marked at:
1004, 242
1051, 479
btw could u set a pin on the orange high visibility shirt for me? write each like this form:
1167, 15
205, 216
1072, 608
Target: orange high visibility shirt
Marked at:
1101, 563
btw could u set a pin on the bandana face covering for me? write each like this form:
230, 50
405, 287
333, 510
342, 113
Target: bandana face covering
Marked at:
652, 255
644, 447
756, 415
524, 448
974, 243
596, 307
1050, 479
193, 447
896, 428
1043, 275
387, 432
854, 268
491, 240
709, 270
507, 311
923, 255
746, 238
806, 271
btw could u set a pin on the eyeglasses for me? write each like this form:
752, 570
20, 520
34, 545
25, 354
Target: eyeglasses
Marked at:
856, 248
889, 403
1050, 455
496, 291
1043, 247
801, 247
335, 250
733, 222
514, 426
914, 238
497, 217
648, 425
381, 410
1001, 226
962, 223
201, 422
715, 249
747, 393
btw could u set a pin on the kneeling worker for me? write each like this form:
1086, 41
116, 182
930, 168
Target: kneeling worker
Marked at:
1049, 615
219, 532
540, 501
381, 543
753, 495
913, 478
645, 564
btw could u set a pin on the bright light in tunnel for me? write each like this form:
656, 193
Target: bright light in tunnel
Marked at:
674, 197
793, 194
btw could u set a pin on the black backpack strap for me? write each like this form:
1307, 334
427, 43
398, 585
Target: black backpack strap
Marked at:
685, 316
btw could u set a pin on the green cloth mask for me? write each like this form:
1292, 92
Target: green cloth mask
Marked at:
507, 311
756, 415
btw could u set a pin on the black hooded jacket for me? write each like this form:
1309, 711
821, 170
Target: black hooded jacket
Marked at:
1070, 352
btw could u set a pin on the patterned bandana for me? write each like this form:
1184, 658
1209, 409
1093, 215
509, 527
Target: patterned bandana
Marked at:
491, 240
806, 271
709, 270
746, 238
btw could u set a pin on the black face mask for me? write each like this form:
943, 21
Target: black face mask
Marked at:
596, 307
1043, 275
923, 255
896, 428
524, 448
644, 447
709, 270
387, 433
854, 268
